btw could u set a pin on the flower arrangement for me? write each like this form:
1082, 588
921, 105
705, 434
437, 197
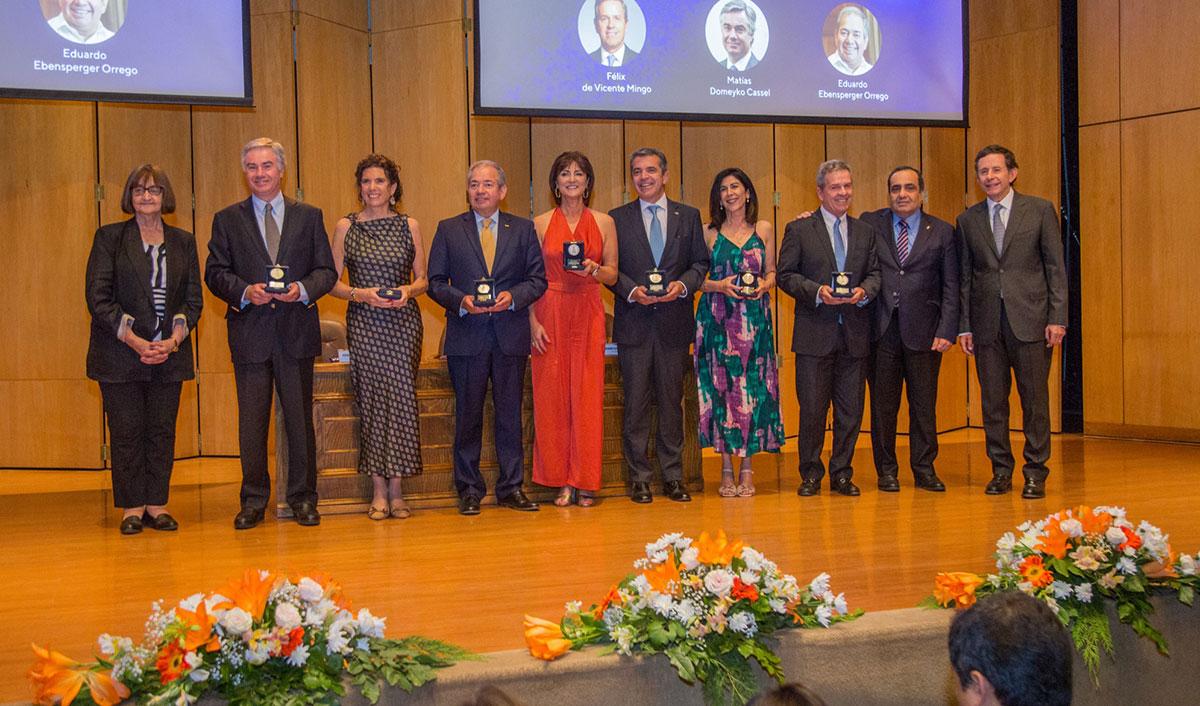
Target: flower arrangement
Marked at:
1075, 560
264, 639
709, 605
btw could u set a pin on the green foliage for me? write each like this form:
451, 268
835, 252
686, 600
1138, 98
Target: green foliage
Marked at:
405, 663
1091, 634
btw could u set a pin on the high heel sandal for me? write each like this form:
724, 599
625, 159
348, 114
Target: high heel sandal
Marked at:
727, 489
745, 487
377, 513
564, 498
400, 509
584, 500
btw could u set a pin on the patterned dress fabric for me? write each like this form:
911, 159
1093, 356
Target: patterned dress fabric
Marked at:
736, 369
385, 348
568, 379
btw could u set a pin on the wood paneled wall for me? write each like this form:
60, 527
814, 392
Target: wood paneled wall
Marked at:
336, 79
1139, 110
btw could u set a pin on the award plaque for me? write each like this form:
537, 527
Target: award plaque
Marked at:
656, 282
277, 279
747, 283
389, 293
841, 285
573, 255
485, 291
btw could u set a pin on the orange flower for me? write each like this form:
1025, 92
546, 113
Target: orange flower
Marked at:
956, 588
1034, 571
664, 577
295, 638
199, 629
250, 593
545, 639
744, 590
1131, 539
1093, 522
1056, 542
613, 596
716, 551
170, 663
57, 678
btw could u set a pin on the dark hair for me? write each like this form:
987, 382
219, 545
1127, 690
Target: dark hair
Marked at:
906, 168
565, 160
155, 174
716, 210
793, 694
1019, 645
390, 170
649, 152
1010, 159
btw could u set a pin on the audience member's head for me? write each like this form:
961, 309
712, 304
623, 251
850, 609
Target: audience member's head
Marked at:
1010, 649
793, 694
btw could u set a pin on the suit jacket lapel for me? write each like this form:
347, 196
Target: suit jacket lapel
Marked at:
471, 233
673, 225
135, 250
641, 236
503, 230
1014, 219
175, 264
924, 233
889, 237
822, 233
255, 235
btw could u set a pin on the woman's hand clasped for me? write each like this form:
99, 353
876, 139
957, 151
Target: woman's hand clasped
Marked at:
537, 334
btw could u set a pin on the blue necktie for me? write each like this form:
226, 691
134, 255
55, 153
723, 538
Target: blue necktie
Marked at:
839, 245
612, 60
657, 241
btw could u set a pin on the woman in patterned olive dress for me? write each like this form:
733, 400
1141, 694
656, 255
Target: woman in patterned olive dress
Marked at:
381, 251
736, 370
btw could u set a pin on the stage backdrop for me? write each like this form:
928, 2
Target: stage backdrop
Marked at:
332, 91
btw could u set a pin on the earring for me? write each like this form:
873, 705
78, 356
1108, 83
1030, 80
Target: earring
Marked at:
391, 200
586, 193
556, 194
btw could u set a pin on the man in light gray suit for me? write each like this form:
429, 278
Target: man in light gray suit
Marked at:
1013, 312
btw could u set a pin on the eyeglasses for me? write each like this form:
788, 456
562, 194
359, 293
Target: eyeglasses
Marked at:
152, 190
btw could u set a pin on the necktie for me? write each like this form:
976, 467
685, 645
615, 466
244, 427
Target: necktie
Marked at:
487, 239
998, 228
657, 241
902, 242
271, 231
839, 245
612, 60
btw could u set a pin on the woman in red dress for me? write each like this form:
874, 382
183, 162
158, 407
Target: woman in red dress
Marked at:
567, 327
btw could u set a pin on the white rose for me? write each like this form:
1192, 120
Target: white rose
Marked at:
1187, 565
1115, 536
1073, 527
719, 582
286, 616
689, 558
237, 621
310, 590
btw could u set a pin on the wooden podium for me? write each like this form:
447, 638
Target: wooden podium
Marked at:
342, 489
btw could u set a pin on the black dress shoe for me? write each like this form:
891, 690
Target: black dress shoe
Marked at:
468, 505
674, 490
889, 484
163, 522
998, 485
1033, 489
640, 492
248, 518
517, 501
843, 486
131, 525
809, 488
929, 481
306, 514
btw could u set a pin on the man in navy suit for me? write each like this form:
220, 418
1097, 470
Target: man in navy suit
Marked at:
1013, 313
916, 319
653, 332
611, 21
487, 340
831, 336
738, 22
273, 337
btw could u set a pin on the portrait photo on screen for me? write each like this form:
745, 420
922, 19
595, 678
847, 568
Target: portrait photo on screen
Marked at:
85, 21
612, 32
737, 34
851, 38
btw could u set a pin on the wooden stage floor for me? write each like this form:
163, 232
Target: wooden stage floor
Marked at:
67, 575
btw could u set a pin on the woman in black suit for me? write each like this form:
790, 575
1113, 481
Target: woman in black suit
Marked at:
143, 291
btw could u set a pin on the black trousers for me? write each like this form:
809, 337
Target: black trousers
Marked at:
141, 434
469, 374
292, 379
1030, 364
653, 370
837, 378
893, 367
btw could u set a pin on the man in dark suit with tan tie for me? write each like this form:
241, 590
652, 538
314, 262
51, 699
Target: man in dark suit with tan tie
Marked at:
487, 332
653, 331
916, 320
832, 334
273, 336
1014, 311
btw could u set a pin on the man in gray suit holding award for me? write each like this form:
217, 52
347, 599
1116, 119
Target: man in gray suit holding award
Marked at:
1013, 312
